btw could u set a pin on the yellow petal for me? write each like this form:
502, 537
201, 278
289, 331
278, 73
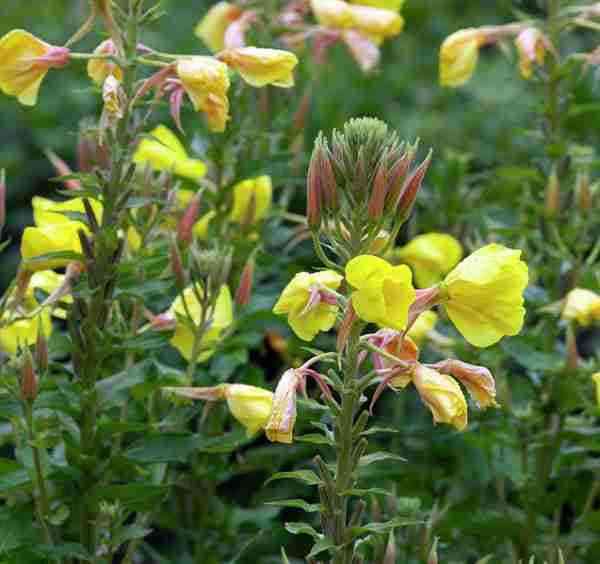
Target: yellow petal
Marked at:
581, 305
332, 13
256, 191
376, 23
367, 271
99, 69
423, 326
38, 241
212, 27
48, 212
22, 332
458, 56
394, 5
250, 405
260, 67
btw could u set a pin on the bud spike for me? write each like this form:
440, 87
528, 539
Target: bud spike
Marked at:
411, 188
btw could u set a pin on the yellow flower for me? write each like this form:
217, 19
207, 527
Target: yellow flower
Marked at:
531, 46
458, 56
394, 5
49, 212
260, 67
99, 69
163, 151
383, 292
483, 295
596, 379
201, 227
442, 395
332, 13
24, 62
212, 27
280, 427
185, 329
250, 405
581, 305
430, 256
51, 238
375, 23
252, 200
307, 303
423, 326
477, 379
206, 82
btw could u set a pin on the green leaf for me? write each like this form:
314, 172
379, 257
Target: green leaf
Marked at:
302, 529
114, 390
166, 447
314, 438
375, 430
360, 492
378, 457
223, 443
306, 476
297, 503
384, 527
131, 532
139, 497
57, 255
321, 545
12, 476
62, 551
527, 355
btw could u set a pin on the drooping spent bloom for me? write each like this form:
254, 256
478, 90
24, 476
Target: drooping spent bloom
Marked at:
309, 303
186, 329
531, 45
99, 69
383, 293
431, 256
332, 13
458, 56
259, 67
477, 379
252, 200
375, 23
582, 305
24, 62
483, 295
163, 151
212, 27
280, 427
250, 405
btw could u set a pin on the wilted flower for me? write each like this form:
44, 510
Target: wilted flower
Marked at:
430, 256
332, 13
259, 67
582, 305
114, 100
477, 379
99, 69
309, 304
24, 62
532, 46
383, 293
375, 23
212, 27
186, 329
458, 56
163, 151
280, 427
483, 295
252, 200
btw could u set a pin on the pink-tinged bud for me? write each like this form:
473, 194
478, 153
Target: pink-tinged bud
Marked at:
162, 322
583, 191
244, 291
215, 393
397, 176
185, 229
425, 299
23, 280
62, 169
177, 267
345, 327
313, 195
41, 350
235, 34
379, 191
2, 200
552, 196
433, 557
29, 381
411, 188
363, 50
175, 103
89, 153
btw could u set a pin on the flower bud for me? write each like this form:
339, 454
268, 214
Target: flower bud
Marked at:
433, 557
280, 427
552, 197
313, 195
2, 200
185, 228
583, 191
411, 188
177, 267
29, 381
397, 176
244, 291
379, 190
345, 327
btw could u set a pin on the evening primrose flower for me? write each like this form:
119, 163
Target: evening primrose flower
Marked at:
394, 5
383, 293
483, 295
24, 62
163, 151
581, 305
309, 305
202, 225
250, 405
212, 27
259, 67
280, 427
49, 212
442, 395
252, 200
99, 69
458, 56
185, 329
423, 325
332, 13
206, 82
430, 256
477, 379
375, 23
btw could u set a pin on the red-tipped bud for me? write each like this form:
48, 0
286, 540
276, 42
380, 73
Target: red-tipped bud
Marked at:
345, 327
397, 176
583, 191
89, 153
411, 188
177, 267
2, 200
244, 291
62, 169
552, 196
41, 350
29, 381
162, 322
313, 195
185, 229
379, 191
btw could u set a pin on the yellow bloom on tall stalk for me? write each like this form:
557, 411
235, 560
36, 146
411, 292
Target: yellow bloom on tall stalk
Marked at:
483, 295
212, 27
383, 293
430, 256
309, 305
163, 151
206, 82
54, 232
250, 405
186, 329
581, 305
99, 69
259, 67
252, 200
442, 395
458, 56
24, 62
395, 5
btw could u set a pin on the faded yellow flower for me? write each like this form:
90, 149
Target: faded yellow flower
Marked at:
458, 56
212, 27
99, 69
280, 427
582, 305
259, 67
375, 23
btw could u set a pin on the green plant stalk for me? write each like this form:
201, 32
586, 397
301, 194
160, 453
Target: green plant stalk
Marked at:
41, 501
